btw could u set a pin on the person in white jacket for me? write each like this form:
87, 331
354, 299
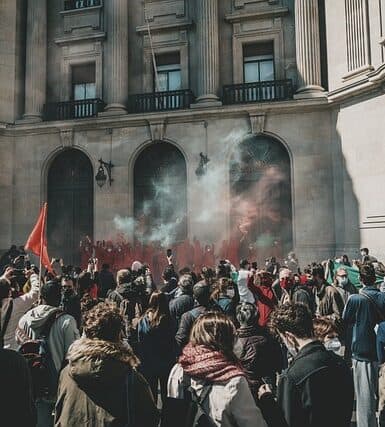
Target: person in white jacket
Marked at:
209, 366
16, 306
245, 295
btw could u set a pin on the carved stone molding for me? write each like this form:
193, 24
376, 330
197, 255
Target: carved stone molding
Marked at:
257, 122
157, 129
67, 137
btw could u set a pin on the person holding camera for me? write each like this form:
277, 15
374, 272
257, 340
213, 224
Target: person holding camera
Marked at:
12, 309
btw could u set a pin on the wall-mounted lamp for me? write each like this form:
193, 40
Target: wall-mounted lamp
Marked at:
101, 176
202, 167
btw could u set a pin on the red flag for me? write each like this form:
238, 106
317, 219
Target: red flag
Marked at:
37, 242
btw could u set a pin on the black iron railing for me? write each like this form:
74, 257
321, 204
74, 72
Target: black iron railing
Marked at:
160, 101
275, 90
73, 109
80, 4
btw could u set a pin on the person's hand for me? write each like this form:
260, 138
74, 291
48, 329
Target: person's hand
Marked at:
9, 274
263, 390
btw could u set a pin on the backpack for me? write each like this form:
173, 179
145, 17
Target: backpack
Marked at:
189, 411
39, 359
196, 415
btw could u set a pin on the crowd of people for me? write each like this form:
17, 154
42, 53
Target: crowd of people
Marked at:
229, 346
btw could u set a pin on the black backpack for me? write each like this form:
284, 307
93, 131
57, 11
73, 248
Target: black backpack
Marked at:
42, 368
187, 412
196, 415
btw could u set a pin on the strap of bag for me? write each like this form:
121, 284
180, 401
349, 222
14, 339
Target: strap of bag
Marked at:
6, 321
49, 323
380, 314
130, 398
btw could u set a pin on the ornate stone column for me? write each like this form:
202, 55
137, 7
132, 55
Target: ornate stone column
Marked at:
116, 56
308, 49
36, 60
208, 52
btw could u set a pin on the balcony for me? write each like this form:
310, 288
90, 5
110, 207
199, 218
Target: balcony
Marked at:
275, 90
74, 109
80, 4
160, 101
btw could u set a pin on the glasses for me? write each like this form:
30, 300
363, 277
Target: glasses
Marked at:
342, 275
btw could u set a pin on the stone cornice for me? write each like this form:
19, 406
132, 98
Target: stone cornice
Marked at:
180, 116
176, 25
373, 81
273, 13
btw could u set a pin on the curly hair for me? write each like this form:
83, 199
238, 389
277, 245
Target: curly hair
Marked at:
294, 318
103, 322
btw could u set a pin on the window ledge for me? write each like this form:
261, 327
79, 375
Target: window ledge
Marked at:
95, 36
274, 13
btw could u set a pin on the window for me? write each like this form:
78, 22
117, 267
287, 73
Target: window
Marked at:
83, 82
169, 72
258, 62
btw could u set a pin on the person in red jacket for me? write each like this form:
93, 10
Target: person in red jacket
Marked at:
264, 295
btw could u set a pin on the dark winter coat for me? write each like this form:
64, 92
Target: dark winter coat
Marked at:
156, 346
93, 388
259, 354
106, 282
315, 391
16, 403
180, 305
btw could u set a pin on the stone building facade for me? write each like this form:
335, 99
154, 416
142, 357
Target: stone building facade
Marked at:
297, 84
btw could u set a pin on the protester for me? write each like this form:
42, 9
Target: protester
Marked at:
226, 296
259, 354
212, 371
106, 281
101, 386
12, 309
17, 407
343, 285
326, 331
61, 330
329, 301
264, 295
317, 388
184, 300
70, 302
202, 294
244, 274
364, 311
156, 344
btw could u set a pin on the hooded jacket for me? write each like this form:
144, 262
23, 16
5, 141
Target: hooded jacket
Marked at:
93, 388
20, 305
63, 332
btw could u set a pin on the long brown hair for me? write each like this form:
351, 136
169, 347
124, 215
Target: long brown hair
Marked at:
158, 310
215, 331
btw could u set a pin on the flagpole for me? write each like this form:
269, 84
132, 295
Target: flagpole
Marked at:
41, 246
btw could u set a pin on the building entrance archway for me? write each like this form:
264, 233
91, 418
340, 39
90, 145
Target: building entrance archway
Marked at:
70, 196
160, 194
261, 200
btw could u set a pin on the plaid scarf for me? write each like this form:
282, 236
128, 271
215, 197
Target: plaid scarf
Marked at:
202, 363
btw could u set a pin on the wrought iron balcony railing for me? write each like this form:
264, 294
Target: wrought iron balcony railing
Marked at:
160, 101
74, 109
275, 90
80, 4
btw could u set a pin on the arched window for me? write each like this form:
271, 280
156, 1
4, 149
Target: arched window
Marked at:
70, 204
160, 194
261, 207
